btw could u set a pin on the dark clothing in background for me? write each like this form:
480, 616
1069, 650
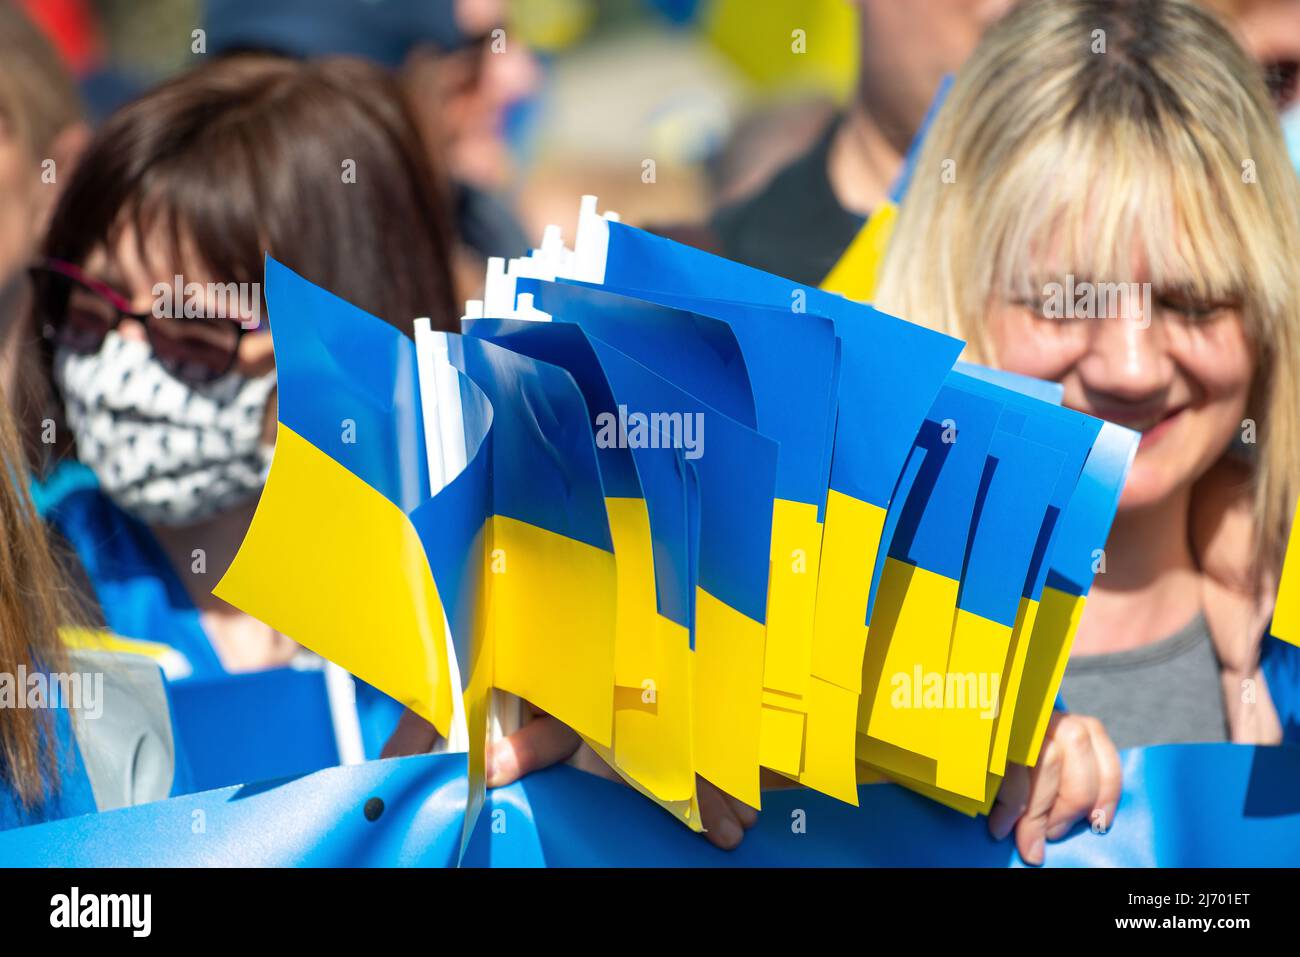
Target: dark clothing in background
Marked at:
794, 226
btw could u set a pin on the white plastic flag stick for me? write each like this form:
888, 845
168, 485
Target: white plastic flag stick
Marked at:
428, 346
341, 693
591, 245
504, 709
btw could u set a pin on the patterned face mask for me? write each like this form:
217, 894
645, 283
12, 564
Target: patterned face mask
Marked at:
167, 452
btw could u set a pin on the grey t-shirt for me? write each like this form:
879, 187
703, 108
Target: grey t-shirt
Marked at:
1163, 693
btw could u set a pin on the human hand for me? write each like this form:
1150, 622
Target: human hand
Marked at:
1078, 774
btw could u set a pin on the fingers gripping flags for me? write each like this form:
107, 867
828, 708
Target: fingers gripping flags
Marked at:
710, 533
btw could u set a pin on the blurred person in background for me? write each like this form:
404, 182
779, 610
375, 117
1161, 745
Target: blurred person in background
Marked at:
1269, 30
175, 417
800, 223
1172, 643
41, 136
461, 71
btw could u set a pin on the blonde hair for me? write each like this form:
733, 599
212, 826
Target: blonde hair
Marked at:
37, 96
1166, 138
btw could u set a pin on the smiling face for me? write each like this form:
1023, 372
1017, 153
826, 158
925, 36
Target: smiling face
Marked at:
1182, 376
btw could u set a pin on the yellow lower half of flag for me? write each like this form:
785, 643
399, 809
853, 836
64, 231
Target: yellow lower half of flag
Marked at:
830, 728
687, 811
335, 566
791, 596
908, 643
850, 543
791, 612
728, 677
553, 614
781, 732
979, 653
964, 805
1049, 651
1012, 673
1035, 655
653, 697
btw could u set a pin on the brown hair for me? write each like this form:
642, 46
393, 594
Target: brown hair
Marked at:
37, 102
255, 153
34, 603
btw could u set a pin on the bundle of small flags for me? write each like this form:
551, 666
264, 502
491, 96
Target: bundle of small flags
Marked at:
713, 520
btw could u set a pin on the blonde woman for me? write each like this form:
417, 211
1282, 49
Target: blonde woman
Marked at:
1105, 200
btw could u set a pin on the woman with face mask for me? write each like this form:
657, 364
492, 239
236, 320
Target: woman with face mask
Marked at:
148, 295
1105, 200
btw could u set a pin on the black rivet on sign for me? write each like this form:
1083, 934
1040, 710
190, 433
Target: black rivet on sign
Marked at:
374, 808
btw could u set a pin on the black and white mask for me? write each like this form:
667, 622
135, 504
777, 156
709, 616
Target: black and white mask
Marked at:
167, 452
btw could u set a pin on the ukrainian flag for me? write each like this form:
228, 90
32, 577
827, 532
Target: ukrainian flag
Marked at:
339, 554
1013, 497
332, 558
1073, 544
729, 490
551, 573
653, 696
699, 355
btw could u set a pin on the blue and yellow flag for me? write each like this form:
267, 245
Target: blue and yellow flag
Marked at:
653, 695
333, 523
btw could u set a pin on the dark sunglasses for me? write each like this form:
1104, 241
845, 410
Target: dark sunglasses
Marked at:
77, 312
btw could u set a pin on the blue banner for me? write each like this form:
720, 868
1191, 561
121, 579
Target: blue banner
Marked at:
1186, 805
